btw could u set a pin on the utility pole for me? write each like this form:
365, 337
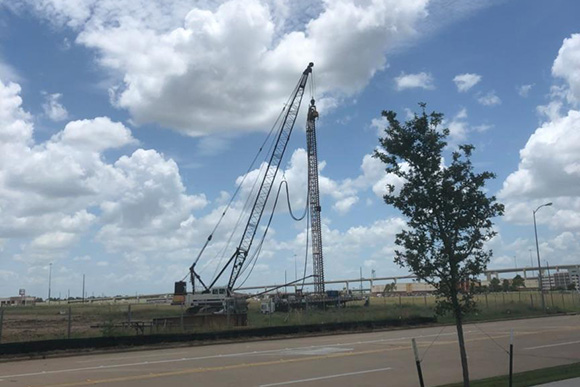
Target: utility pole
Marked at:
83, 289
49, 280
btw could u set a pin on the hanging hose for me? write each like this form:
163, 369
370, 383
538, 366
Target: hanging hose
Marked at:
298, 219
306, 252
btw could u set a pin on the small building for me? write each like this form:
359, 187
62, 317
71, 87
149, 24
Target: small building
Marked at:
18, 301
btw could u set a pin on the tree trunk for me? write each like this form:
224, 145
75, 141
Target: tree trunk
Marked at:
462, 352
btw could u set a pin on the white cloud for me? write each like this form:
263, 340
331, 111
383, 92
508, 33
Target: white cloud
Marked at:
8, 73
489, 99
550, 161
344, 205
524, 90
549, 170
53, 108
174, 60
412, 81
49, 190
53, 241
466, 81
458, 127
567, 64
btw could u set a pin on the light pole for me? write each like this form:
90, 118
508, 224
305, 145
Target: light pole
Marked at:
540, 283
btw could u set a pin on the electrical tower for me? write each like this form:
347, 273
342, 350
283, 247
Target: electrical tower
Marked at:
314, 200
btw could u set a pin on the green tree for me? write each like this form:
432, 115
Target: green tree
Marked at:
448, 212
494, 285
389, 288
505, 285
518, 282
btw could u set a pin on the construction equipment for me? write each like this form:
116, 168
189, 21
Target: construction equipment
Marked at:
314, 199
214, 299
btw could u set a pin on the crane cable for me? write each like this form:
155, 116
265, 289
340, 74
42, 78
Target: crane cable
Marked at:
243, 212
209, 238
255, 256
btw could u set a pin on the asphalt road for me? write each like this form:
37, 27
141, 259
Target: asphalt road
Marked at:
364, 359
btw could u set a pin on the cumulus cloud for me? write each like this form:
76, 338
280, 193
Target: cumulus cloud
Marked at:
413, 81
549, 162
549, 170
174, 62
489, 99
52, 107
344, 205
466, 81
49, 191
566, 66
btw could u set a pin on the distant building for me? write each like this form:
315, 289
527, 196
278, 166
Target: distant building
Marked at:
561, 280
18, 301
575, 276
401, 287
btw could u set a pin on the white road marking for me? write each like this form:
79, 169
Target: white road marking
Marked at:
325, 377
130, 357
552, 345
283, 351
317, 351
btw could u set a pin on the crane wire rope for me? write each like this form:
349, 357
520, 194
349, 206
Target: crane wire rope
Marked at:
238, 188
290, 98
246, 207
270, 151
255, 256
242, 215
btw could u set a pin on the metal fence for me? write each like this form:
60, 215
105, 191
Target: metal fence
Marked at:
44, 322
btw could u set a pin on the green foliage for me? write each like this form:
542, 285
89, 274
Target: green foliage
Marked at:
389, 288
494, 285
448, 212
505, 285
518, 282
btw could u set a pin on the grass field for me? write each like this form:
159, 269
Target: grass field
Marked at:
51, 321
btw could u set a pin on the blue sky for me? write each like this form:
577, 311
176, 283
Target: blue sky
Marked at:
125, 126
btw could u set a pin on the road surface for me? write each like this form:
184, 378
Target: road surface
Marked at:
364, 359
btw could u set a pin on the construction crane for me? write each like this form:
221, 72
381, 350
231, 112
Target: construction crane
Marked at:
211, 297
314, 199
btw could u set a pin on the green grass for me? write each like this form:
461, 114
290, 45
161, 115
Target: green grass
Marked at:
529, 378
